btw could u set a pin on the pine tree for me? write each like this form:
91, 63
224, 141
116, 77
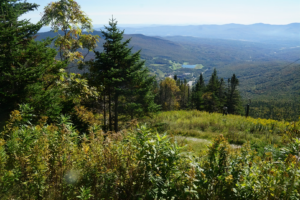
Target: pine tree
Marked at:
123, 76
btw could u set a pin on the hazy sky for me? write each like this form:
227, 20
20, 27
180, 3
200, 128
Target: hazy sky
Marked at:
185, 11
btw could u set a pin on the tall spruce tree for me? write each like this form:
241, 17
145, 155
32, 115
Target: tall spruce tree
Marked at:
211, 95
184, 94
233, 96
125, 80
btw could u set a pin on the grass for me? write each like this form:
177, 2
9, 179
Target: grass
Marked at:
160, 73
195, 145
237, 129
157, 65
199, 66
174, 65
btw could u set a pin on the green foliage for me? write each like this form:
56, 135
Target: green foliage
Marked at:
22, 60
30, 72
197, 93
52, 162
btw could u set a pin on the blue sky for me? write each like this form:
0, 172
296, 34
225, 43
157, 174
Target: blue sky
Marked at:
182, 12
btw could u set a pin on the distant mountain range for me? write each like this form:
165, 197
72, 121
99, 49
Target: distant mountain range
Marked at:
264, 33
288, 35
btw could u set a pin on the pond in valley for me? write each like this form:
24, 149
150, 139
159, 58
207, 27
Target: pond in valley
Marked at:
188, 66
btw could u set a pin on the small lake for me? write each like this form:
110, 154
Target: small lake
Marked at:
188, 66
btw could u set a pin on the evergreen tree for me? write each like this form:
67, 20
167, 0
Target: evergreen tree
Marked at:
27, 67
197, 92
138, 96
184, 94
175, 77
125, 80
233, 96
15, 37
211, 95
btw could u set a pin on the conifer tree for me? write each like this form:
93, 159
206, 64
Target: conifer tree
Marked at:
138, 96
23, 61
184, 93
123, 76
197, 92
233, 96
210, 97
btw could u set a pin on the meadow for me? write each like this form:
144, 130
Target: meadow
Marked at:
203, 125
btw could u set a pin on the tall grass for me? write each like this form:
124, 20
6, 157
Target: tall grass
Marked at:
237, 129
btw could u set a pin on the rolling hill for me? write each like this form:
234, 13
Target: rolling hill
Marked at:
263, 69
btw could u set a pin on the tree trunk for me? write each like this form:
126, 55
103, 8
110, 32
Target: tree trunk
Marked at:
109, 110
116, 112
104, 113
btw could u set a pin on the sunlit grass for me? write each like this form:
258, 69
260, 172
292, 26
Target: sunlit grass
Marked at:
204, 125
194, 145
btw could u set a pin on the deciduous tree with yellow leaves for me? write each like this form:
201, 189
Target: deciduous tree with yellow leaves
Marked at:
66, 18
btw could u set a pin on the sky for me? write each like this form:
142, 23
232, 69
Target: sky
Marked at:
184, 12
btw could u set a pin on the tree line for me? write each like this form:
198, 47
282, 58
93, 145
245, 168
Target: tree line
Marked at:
215, 96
